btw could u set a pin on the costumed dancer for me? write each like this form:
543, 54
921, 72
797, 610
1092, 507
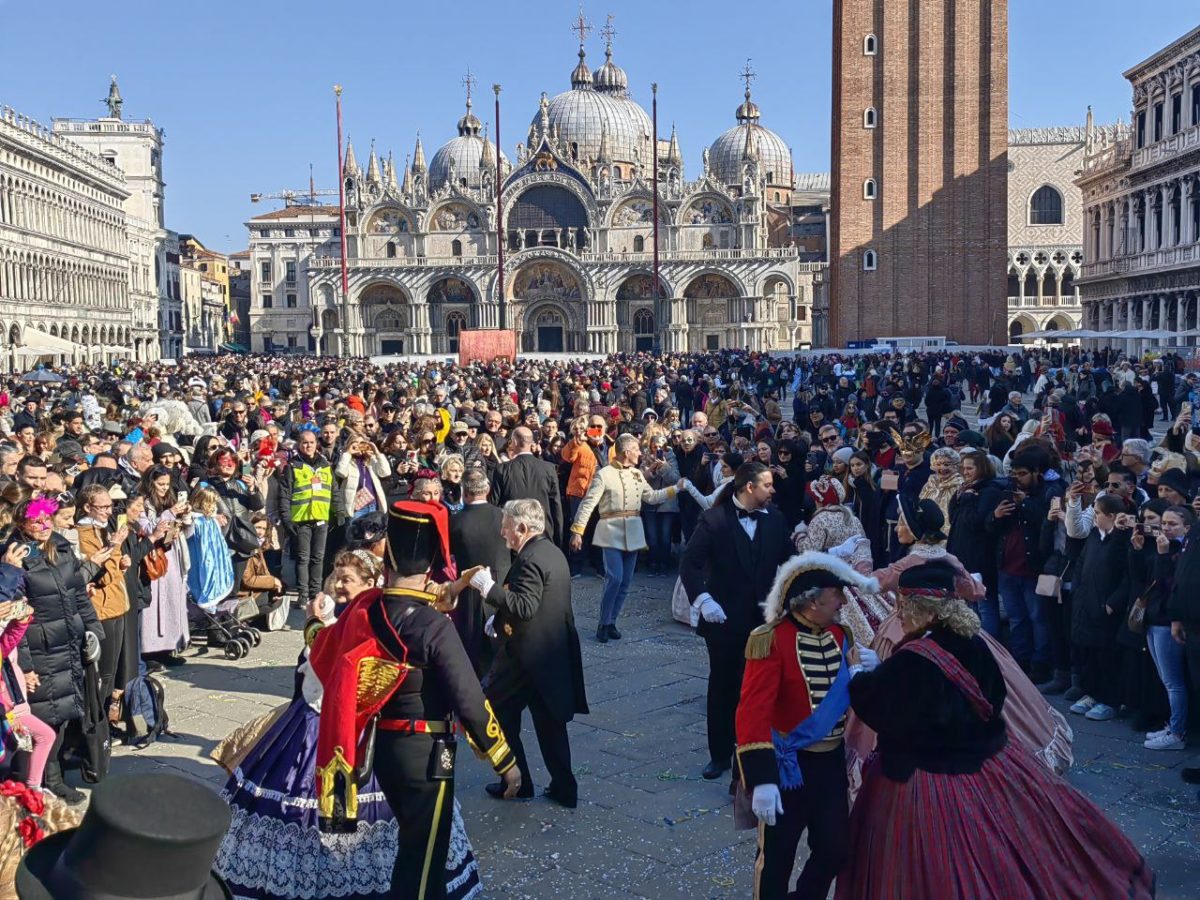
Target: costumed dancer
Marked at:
795, 695
395, 678
1032, 720
949, 806
272, 794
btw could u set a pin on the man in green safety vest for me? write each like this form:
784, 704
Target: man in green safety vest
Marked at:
304, 507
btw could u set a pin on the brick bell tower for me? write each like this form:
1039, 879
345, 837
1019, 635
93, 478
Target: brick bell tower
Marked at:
918, 242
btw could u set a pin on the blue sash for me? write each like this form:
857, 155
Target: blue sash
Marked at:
815, 728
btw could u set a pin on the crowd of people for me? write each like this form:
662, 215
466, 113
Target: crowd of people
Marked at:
141, 504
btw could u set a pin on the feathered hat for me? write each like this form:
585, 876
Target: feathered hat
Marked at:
811, 570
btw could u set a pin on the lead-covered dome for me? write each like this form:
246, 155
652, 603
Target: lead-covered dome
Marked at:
729, 152
460, 157
594, 113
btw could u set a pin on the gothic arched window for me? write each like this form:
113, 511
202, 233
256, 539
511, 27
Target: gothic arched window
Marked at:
639, 244
869, 261
870, 119
870, 45
870, 189
1046, 207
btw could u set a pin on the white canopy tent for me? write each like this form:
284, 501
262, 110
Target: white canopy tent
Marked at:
39, 343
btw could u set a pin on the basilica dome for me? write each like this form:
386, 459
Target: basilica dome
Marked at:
727, 154
460, 156
598, 111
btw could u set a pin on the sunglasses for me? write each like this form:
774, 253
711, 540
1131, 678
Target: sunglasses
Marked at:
828, 438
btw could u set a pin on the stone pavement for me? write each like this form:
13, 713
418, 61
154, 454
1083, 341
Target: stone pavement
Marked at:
647, 824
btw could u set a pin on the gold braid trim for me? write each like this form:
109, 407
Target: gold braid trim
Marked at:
311, 629
762, 638
499, 748
327, 786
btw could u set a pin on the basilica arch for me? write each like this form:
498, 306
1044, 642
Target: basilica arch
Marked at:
386, 311
715, 306
389, 234
548, 215
639, 319
707, 223
453, 306
549, 307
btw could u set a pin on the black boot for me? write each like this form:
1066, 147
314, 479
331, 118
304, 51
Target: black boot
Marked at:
1056, 685
602, 634
53, 782
1075, 691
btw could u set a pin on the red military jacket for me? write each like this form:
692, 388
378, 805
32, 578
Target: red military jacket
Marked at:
790, 666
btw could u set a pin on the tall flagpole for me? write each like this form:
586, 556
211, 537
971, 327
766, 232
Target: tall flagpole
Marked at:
654, 121
503, 309
345, 317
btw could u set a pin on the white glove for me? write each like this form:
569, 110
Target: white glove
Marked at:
767, 803
322, 608
489, 627
483, 581
846, 548
91, 647
710, 610
868, 659
800, 528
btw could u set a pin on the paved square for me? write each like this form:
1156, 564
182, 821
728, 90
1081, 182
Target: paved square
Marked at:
647, 824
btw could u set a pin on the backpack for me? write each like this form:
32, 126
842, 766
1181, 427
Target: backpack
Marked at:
146, 716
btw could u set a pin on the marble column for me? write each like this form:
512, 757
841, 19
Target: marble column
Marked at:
421, 331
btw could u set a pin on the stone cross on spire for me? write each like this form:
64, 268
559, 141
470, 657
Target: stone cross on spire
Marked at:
583, 26
609, 33
469, 82
748, 74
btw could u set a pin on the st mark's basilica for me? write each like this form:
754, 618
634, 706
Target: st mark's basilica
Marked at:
735, 270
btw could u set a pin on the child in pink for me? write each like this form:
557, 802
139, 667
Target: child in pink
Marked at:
32, 733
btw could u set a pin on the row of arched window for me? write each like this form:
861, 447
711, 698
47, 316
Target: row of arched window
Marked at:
47, 211
48, 279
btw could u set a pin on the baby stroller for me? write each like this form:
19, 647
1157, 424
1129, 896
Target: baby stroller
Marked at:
226, 628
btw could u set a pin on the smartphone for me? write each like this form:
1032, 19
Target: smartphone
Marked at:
1008, 497
122, 521
1055, 503
247, 469
1139, 528
410, 456
181, 496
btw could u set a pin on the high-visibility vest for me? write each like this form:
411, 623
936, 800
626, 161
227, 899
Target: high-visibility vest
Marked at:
312, 492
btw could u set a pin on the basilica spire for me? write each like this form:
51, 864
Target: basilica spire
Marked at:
418, 163
350, 166
389, 172
674, 157
406, 188
373, 175
581, 78
487, 159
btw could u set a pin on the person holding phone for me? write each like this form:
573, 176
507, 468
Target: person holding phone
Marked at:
64, 631
1016, 521
101, 541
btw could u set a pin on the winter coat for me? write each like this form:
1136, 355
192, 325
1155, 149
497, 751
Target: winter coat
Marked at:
1101, 580
54, 644
969, 540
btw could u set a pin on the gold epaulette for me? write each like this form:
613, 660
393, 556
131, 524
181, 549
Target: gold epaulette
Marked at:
311, 629
758, 645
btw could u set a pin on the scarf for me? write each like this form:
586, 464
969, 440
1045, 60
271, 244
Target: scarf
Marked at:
815, 728
210, 578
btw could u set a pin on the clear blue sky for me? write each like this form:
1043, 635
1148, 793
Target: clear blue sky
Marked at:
244, 89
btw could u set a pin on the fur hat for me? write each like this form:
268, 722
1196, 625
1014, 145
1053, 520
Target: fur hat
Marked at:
810, 570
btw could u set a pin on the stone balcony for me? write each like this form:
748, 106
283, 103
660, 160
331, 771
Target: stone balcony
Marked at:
1168, 258
1166, 149
1071, 302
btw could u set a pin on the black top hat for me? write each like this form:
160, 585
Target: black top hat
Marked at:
418, 537
924, 518
144, 836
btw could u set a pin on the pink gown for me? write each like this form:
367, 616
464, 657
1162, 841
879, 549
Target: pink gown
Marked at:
1029, 718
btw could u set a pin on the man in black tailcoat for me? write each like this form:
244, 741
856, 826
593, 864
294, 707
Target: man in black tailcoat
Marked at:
538, 664
525, 477
475, 540
727, 569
